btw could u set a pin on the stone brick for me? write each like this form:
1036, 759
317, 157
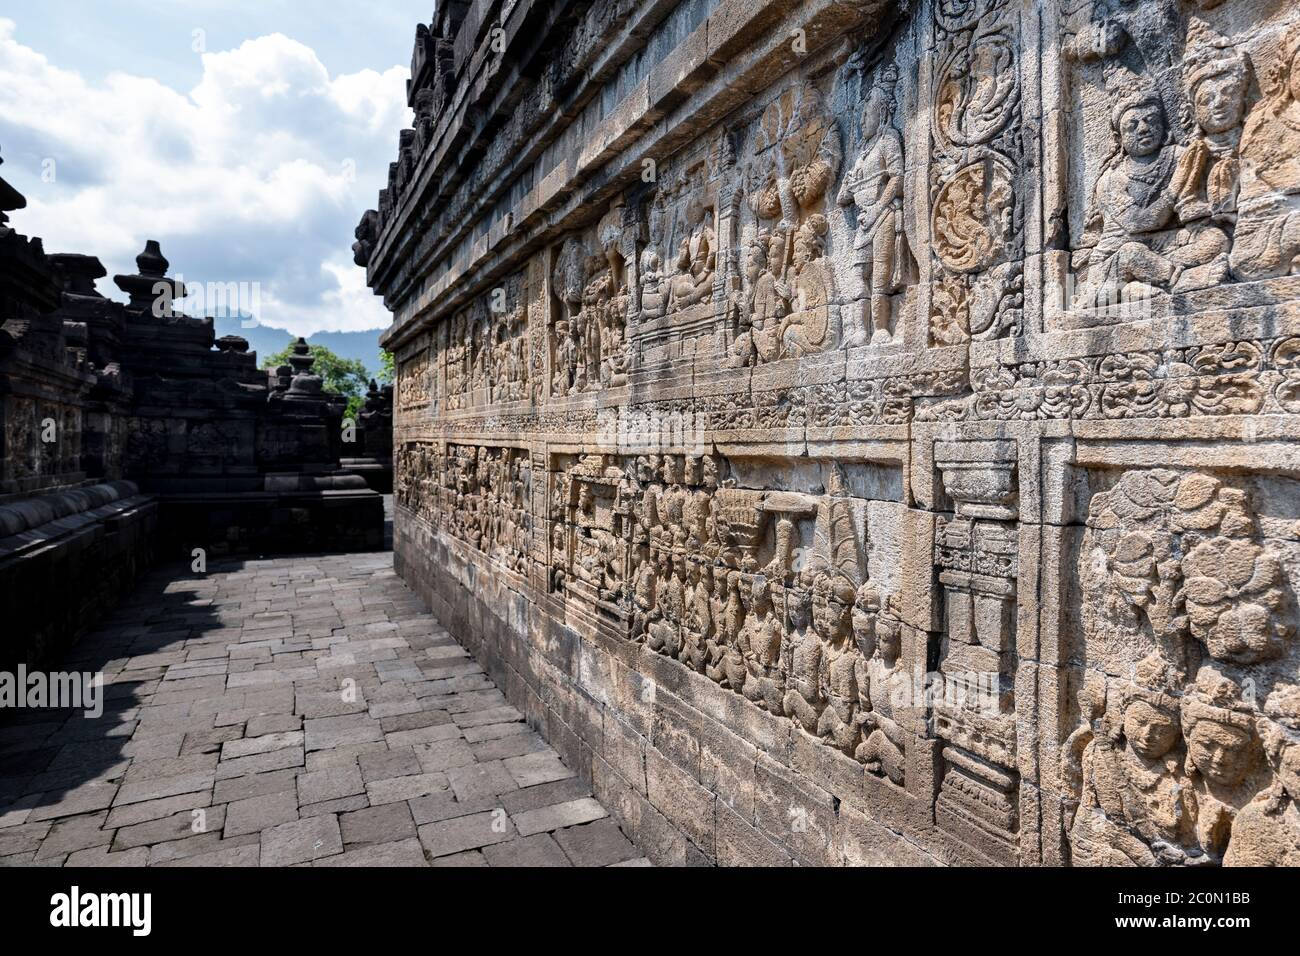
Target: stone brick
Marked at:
601, 843
255, 814
536, 850
569, 814
383, 824
466, 833
321, 785
301, 841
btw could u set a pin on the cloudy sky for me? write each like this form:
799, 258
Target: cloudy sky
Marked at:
247, 136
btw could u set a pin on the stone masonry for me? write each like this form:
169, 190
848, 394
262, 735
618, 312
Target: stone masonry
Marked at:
858, 431
290, 712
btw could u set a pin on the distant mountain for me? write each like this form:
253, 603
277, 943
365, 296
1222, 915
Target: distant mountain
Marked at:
267, 340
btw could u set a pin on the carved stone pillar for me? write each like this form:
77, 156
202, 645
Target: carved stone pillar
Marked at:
974, 706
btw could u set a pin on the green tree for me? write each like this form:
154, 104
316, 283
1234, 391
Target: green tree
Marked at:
387, 368
347, 377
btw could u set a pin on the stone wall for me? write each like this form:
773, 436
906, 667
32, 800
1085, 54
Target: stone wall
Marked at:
859, 432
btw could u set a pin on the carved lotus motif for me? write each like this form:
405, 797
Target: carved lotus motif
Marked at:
1233, 594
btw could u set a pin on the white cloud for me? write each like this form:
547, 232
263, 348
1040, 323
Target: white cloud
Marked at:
258, 174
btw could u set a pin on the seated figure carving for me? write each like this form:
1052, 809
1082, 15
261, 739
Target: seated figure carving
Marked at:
1144, 247
761, 306
1267, 242
696, 260
805, 330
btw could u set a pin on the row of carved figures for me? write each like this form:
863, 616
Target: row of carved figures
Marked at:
676, 553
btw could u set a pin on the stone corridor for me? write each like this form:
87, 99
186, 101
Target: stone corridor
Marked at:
287, 712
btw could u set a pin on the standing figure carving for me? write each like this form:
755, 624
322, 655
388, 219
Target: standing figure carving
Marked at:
874, 188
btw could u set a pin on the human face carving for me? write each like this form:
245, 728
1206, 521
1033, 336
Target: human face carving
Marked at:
873, 116
1151, 732
1220, 102
1219, 751
1142, 130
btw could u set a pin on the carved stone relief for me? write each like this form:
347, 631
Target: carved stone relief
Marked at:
590, 282
976, 217
932, 400
1193, 185
1189, 643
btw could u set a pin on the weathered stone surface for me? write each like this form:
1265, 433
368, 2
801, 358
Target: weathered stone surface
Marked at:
873, 448
351, 802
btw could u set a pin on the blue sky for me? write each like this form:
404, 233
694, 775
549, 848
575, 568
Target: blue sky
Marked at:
247, 137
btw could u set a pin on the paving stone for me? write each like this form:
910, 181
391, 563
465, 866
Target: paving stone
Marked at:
386, 764
596, 844
468, 858
266, 743
247, 721
321, 785
170, 767
536, 850
282, 759
75, 802
480, 780
255, 814
405, 788
301, 841
134, 813
466, 833
545, 795
422, 735
561, 815
160, 787
490, 715
425, 717
444, 806
194, 845
345, 756
515, 745
324, 733
341, 805
210, 741
444, 755
178, 826
493, 731
236, 856
394, 708
382, 824
399, 853
75, 833
532, 769
101, 856
327, 704
272, 724
254, 785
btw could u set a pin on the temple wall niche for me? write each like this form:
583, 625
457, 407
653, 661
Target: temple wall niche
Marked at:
908, 443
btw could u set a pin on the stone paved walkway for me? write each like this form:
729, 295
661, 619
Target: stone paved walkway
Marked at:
300, 711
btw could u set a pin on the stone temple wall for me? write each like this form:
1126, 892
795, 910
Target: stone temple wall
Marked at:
866, 432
